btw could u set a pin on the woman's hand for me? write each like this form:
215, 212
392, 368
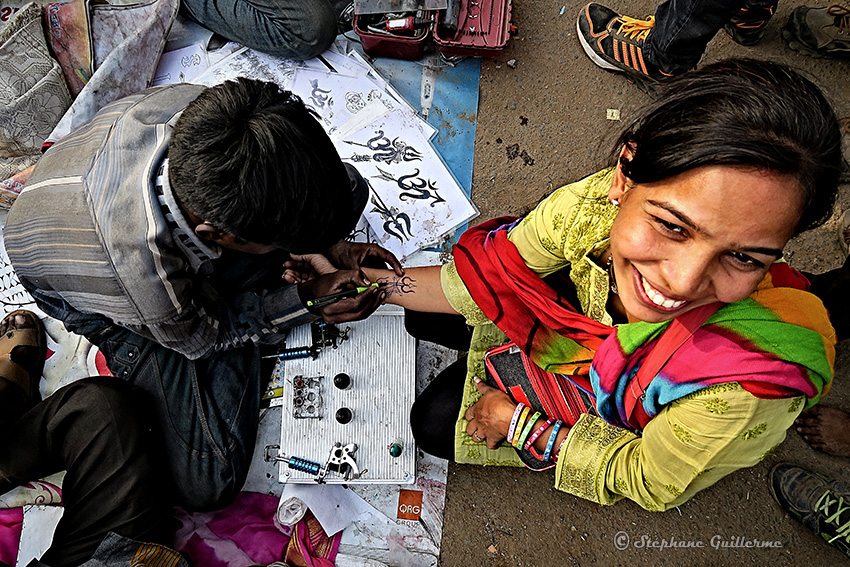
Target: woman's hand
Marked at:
490, 417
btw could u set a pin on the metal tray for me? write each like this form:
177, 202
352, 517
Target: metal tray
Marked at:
380, 358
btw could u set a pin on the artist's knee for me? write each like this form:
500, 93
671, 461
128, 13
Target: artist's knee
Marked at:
295, 29
211, 480
309, 38
104, 408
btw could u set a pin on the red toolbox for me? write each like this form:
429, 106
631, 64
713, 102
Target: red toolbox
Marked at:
482, 29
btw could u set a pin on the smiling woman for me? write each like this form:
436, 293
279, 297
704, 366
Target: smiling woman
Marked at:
684, 231
677, 244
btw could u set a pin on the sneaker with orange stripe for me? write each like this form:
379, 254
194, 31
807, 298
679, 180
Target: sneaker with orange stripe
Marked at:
615, 43
748, 25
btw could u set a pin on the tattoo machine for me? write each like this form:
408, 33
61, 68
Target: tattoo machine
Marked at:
324, 335
340, 460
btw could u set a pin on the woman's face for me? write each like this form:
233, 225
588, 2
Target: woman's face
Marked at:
706, 235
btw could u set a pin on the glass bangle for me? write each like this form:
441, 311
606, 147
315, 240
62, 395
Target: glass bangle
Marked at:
527, 429
551, 442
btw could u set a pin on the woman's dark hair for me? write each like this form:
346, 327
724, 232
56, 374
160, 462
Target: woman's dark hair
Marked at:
741, 112
252, 160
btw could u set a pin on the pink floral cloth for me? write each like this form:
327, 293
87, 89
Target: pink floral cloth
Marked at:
11, 525
238, 536
244, 534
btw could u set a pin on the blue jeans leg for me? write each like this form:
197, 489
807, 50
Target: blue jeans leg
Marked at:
207, 412
297, 29
683, 29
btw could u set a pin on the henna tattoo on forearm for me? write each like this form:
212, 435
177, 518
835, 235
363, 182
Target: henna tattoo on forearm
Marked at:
396, 285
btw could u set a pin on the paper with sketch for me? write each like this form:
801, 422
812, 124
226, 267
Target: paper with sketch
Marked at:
345, 104
315, 63
325, 93
428, 130
365, 89
217, 55
251, 64
364, 101
363, 232
181, 65
344, 64
414, 200
365, 115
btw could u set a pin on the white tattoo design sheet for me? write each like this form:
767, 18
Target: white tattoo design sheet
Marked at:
414, 200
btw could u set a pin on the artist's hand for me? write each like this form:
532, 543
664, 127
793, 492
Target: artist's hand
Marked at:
351, 255
304, 267
353, 309
490, 417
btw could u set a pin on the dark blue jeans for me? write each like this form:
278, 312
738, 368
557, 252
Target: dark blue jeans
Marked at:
683, 29
205, 411
297, 29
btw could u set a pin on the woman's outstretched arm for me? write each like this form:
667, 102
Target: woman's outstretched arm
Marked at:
419, 289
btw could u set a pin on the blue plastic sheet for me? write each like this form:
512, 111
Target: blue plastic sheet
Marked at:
454, 110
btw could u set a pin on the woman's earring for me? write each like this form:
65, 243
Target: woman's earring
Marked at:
615, 202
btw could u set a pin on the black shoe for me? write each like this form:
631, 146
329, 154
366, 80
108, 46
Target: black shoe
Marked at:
748, 25
615, 43
819, 32
819, 503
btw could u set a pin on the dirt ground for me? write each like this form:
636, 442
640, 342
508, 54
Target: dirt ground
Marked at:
542, 123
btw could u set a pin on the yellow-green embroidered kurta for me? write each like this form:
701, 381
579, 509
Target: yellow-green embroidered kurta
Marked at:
689, 445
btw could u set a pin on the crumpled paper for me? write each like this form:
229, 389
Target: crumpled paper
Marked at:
333, 505
290, 512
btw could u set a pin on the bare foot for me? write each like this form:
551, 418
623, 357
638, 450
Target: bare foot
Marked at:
826, 429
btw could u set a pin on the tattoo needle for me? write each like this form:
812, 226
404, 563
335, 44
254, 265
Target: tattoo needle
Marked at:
334, 297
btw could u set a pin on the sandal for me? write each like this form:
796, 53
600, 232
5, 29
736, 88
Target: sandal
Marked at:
22, 356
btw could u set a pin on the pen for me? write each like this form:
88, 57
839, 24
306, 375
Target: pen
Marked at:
334, 297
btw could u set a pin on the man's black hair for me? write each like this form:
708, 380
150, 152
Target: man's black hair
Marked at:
254, 161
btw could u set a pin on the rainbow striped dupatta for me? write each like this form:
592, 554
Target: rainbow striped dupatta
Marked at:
776, 343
